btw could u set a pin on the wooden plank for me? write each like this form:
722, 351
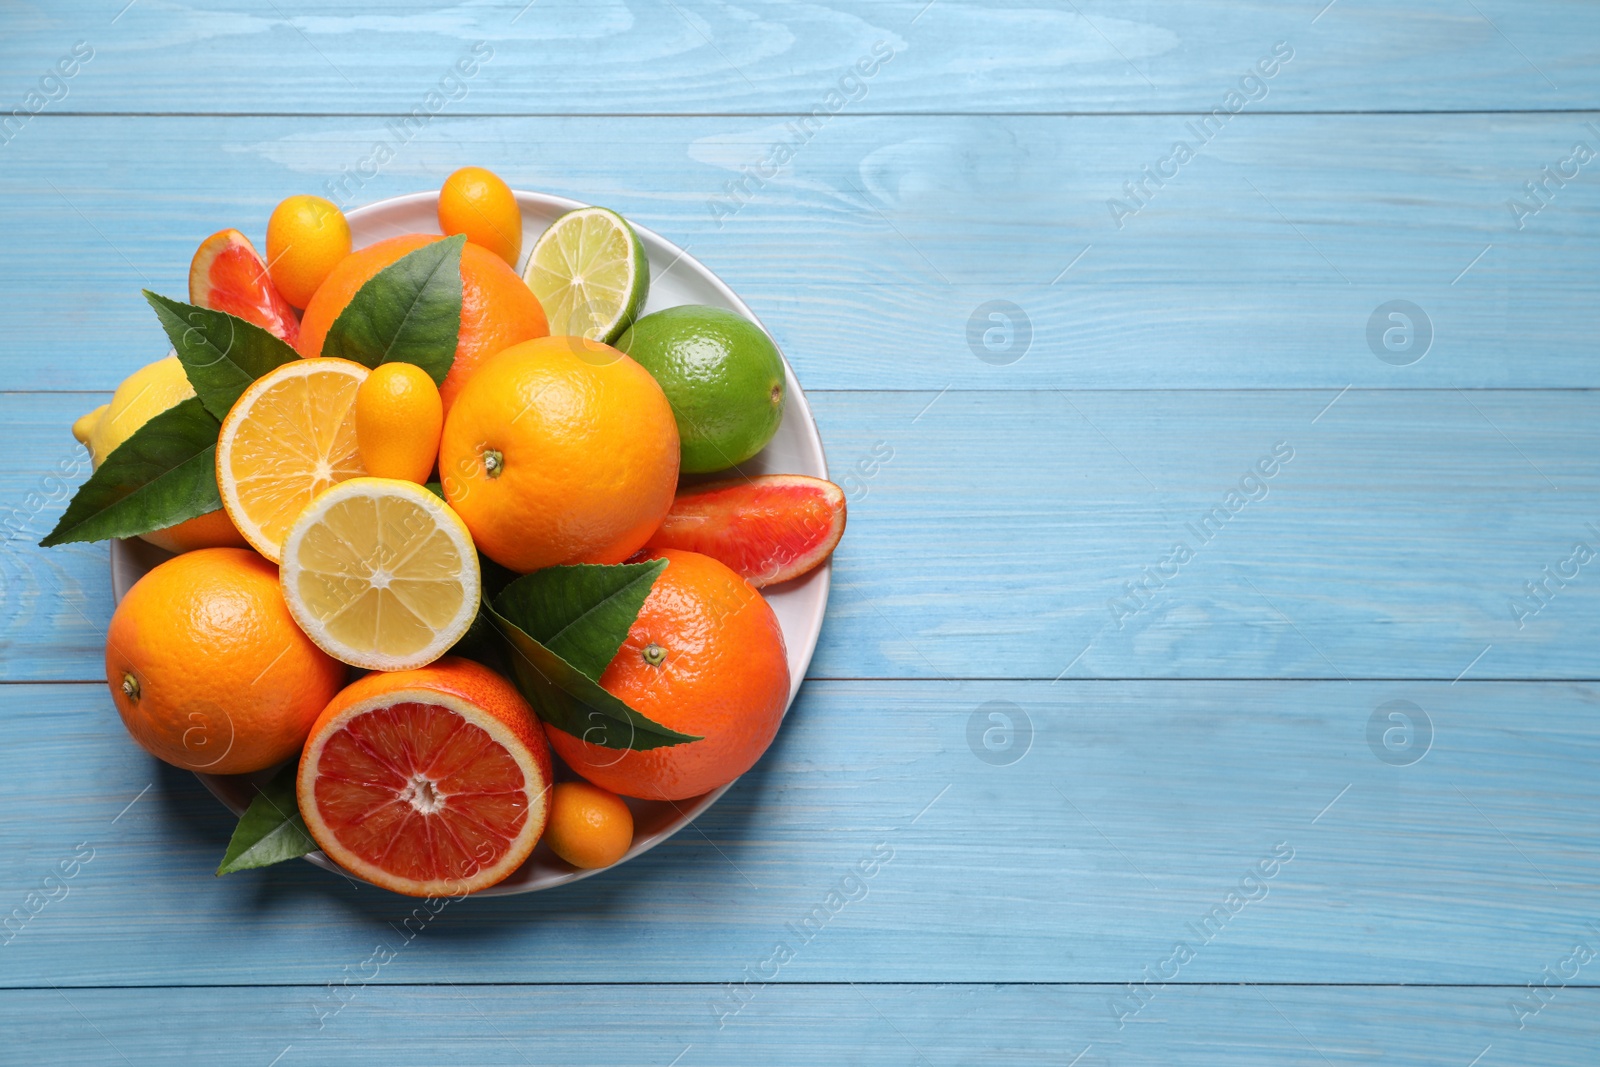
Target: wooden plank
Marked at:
1089, 535
1434, 833
800, 1025
952, 55
1134, 814
873, 258
997, 534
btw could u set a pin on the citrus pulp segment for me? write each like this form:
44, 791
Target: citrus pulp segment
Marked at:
288, 437
227, 274
770, 528
381, 574
432, 782
590, 273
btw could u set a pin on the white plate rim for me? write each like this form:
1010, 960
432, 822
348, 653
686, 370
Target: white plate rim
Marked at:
131, 559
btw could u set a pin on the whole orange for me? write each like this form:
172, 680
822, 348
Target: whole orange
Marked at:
209, 670
497, 307
560, 450
212, 530
704, 657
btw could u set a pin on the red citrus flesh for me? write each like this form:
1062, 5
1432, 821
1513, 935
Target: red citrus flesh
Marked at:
433, 782
770, 529
227, 274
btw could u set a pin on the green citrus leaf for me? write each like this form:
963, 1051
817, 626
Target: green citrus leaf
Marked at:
582, 612
270, 830
409, 312
165, 473
482, 641
571, 701
221, 353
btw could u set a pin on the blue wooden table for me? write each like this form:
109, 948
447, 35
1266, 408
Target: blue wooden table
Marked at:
1211, 673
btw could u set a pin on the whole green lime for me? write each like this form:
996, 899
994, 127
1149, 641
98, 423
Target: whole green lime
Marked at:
722, 375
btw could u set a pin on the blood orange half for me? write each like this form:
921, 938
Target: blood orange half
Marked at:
227, 274
769, 529
432, 782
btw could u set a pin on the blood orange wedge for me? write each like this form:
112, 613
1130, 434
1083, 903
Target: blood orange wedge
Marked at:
432, 782
769, 529
226, 274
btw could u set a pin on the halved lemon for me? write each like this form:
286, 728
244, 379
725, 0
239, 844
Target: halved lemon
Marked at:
288, 437
381, 574
590, 274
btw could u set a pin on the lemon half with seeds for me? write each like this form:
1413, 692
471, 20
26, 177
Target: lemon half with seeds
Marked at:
381, 574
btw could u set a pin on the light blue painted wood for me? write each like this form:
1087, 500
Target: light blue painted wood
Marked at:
1045, 534
995, 534
951, 55
997, 509
1259, 266
1135, 810
801, 1025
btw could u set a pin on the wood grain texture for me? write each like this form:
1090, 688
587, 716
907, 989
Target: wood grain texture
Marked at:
995, 534
803, 1026
1260, 265
1131, 812
766, 56
1060, 749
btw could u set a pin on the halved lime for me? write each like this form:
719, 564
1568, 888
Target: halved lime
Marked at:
589, 272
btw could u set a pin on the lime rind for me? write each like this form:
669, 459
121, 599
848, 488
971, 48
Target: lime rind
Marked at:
590, 274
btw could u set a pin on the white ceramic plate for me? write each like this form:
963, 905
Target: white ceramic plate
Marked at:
675, 278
